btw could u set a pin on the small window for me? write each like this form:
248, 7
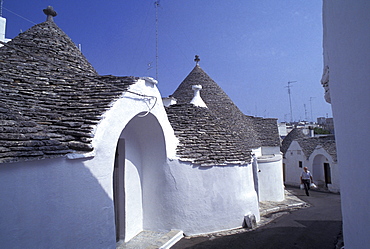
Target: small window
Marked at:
300, 164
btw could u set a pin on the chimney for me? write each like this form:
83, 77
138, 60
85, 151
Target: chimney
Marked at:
197, 100
2, 31
312, 131
168, 101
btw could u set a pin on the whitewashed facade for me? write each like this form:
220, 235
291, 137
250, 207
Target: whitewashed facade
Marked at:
322, 165
87, 160
346, 79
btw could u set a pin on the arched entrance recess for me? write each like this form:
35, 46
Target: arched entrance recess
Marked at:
138, 177
321, 170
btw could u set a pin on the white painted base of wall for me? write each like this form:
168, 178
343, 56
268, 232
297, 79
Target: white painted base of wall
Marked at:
208, 199
270, 178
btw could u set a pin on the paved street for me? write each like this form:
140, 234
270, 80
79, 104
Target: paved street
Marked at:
317, 226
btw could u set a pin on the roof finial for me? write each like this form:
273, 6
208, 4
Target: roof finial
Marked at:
197, 59
50, 13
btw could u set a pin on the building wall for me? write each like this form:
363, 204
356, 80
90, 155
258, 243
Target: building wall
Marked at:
149, 139
145, 162
270, 178
68, 203
207, 199
49, 204
346, 53
268, 173
293, 172
315, 164
317, 159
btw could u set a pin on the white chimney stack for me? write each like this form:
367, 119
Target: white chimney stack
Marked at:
2, 30
197, 100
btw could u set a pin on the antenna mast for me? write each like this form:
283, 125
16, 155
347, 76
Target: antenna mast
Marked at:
311, 108
1, 8
290, 100
156, 4
305, 112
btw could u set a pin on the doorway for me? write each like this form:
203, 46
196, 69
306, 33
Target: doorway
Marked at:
327, 174
138, 178
119, 190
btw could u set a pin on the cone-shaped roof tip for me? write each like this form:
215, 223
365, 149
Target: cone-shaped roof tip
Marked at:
197, 59
50, 13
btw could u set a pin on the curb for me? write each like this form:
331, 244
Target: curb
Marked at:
285, 208
175, 236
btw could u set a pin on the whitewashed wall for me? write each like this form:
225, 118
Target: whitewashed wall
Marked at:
268, 173
317, 159
207, 199
293, 172
315, 164
346, 53
68, 203
148, 141
54, 204
145, 176
270, 178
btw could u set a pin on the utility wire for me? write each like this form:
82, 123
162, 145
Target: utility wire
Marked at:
19, 16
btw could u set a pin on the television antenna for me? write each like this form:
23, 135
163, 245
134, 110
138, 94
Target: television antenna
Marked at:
1, 8
311, 107
305, 112
156, 4
290, 100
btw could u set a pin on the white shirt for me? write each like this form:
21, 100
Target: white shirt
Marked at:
306, 175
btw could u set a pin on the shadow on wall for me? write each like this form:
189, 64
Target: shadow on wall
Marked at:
54, 203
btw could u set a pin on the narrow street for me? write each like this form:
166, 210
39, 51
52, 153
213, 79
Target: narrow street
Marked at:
317, 226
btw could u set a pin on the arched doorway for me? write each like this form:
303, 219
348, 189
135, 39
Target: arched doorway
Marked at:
138, 170
321, 170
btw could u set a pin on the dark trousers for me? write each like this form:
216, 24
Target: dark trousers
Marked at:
306, 183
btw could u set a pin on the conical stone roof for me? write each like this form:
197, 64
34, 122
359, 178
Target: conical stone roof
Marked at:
45, 44
203, 139
51, 96
296, 133
219, 104
218, 135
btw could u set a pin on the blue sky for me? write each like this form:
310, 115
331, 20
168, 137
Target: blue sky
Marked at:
250, 48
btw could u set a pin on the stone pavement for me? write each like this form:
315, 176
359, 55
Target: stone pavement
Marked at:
152, 240
283, 225
291, 202
268, 212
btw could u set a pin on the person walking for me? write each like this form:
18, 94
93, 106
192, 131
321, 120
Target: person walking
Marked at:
306, 179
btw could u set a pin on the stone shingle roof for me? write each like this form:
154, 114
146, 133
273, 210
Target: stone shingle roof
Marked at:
51, 97
293, 134
309, 144
221, 133
203, 139
217, 101
267, 130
